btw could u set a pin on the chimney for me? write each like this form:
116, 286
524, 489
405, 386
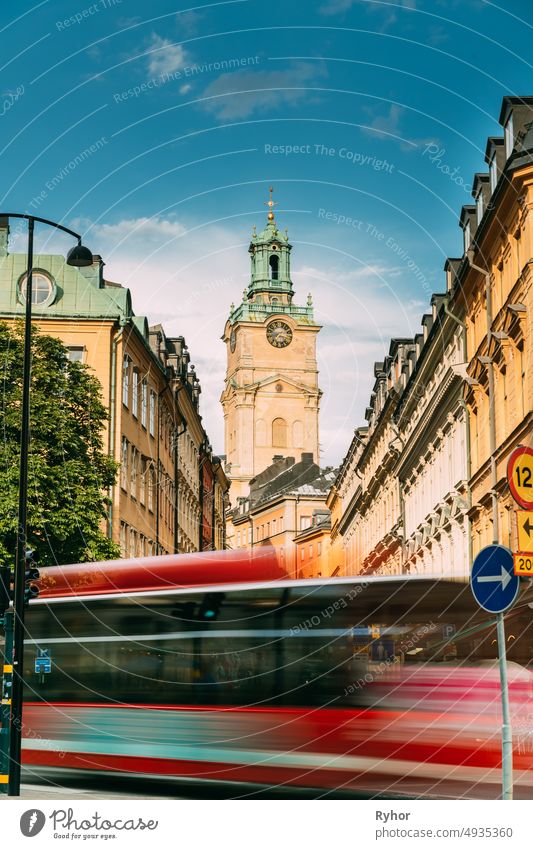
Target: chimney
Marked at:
277, 457
307, 457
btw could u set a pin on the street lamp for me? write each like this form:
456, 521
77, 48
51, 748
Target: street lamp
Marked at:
80, 257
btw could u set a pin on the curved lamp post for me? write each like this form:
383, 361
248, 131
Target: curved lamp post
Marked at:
80, 257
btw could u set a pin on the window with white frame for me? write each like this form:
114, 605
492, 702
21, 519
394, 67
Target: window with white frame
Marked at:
479, 206
135, 393
467, 234
124, 464
493, 172
122, 539
133, 472
126, 380
152, 412
144, 402
305, 522
151, 488
76, 353
142, 482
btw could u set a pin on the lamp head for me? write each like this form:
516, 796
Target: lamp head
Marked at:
79, 256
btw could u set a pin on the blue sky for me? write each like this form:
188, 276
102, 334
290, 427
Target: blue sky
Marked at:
368, 118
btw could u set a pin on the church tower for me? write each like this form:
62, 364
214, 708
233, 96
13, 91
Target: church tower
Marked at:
271, 396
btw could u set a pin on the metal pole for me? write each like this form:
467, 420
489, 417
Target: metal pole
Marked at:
507, 736
5, 711
20, 563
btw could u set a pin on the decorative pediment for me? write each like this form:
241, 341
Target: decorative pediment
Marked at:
286, 383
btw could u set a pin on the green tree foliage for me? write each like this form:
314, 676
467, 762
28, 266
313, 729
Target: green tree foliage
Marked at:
68, 473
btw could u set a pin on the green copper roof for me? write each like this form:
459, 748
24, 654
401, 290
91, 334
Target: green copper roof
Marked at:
75, 292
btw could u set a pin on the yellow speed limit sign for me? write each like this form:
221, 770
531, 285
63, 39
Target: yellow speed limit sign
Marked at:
523, 564
520, 476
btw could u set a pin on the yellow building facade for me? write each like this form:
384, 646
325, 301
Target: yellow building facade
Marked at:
154, 429
495, 276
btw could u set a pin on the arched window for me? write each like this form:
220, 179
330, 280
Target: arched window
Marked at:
279, 433
274, 267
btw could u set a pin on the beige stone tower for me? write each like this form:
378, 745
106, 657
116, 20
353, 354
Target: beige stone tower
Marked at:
271, 397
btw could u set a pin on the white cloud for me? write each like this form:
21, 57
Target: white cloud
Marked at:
152, 229
335, 7
165, 57
267, 89
185, 88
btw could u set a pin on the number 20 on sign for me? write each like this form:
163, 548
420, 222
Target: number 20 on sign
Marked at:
520, 476
523, 564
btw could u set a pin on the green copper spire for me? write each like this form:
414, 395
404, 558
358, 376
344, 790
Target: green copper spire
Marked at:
270, 289
270, 259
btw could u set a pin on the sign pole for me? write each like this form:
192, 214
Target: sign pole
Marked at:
507, 734
495, 588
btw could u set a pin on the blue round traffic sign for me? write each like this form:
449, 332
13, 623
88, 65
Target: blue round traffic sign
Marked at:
494, 584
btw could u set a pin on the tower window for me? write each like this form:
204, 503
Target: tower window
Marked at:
279, 433
274, 267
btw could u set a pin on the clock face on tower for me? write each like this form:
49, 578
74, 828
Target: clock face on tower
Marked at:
279, 334
232, 340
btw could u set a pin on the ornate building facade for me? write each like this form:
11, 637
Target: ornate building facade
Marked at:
423, 488
271, 397
495, 277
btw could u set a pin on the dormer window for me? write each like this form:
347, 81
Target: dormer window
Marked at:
43, 289
493, 172
479, 206
509, 136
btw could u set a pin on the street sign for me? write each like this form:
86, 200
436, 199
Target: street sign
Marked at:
523, 564
493, 582
520, 476
524, 521
43, 662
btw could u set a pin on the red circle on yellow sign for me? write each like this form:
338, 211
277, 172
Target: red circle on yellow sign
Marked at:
520, 476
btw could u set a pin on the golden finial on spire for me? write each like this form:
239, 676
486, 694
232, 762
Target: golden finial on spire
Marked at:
271, 204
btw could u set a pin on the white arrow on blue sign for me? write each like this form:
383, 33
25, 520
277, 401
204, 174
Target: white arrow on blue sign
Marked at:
494, 584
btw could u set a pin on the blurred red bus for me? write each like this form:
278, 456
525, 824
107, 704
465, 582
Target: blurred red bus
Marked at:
218, 667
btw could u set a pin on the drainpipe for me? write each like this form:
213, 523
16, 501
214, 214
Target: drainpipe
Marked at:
507, 736
176, 436
462, 403
488, 362
398, 452
112, 421
213, 515
201, 496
